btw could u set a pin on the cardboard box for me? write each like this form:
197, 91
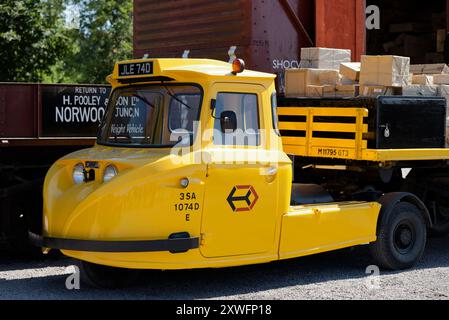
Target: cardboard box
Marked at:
331, 77
314, 91
329, 91
422, 79
347, 90
416, 69
324, 58
441, 38
297, 80
319, 91
350, 70
441, 79
439, 68
420, 90
390, 71
443, 91
346, 81
374, 91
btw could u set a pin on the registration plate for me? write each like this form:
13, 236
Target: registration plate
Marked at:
333, 152
135, 69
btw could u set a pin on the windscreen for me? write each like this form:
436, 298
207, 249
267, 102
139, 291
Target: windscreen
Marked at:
153, 115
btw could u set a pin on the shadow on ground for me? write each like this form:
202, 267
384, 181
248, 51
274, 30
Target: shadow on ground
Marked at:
349, 264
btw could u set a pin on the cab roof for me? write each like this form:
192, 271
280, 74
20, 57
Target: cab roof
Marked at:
150, 70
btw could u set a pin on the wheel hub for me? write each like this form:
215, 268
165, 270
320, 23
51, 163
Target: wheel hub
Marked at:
404, 238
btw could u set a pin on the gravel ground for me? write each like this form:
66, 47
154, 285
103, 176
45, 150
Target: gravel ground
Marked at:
335, 275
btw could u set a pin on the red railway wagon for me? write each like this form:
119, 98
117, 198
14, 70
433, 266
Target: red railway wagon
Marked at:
39, 123
269, 34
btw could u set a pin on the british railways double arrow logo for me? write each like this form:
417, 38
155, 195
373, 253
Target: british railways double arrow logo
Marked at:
242, 198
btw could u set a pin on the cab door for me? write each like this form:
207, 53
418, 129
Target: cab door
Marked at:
240, 203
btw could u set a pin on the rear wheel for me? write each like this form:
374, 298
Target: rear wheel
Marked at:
105, 277
401, 237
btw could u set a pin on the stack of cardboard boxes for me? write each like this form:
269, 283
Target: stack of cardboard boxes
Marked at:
328, 73
318, 75
383, 74
428, 80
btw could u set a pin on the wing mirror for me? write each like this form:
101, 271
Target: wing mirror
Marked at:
228, 121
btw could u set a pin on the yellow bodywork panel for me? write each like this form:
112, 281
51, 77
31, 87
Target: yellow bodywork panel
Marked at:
121, 208
188, 70
318, 228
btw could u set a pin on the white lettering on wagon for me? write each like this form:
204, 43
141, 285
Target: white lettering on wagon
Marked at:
79, 114
285, 64
83, 107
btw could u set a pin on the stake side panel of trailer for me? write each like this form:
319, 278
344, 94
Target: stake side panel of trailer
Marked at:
387, 128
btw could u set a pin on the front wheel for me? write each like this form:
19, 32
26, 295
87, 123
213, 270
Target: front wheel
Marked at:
401, 237
105, 277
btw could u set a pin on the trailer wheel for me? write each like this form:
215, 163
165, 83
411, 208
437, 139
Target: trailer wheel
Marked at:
105, 277
401, 237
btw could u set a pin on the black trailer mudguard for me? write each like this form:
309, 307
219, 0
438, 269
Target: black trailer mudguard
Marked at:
390, 199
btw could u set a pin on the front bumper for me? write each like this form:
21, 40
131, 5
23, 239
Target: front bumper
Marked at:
173, 245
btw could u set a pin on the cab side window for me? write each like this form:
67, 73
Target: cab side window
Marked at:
246, 107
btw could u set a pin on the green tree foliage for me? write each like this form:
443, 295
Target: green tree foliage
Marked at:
32, 38
104, 36
37, 44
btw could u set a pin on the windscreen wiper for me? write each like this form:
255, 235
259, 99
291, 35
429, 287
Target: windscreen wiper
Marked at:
144, 100
176, 98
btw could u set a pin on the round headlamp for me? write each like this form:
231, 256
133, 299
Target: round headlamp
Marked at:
109, 173
78, 173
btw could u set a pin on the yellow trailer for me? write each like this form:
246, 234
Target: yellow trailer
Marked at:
189, 171
347, 149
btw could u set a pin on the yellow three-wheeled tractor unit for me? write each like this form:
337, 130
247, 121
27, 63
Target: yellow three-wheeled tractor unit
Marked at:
190, 170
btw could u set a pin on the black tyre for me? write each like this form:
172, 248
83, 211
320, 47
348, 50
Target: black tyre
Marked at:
105, 277
401, 237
